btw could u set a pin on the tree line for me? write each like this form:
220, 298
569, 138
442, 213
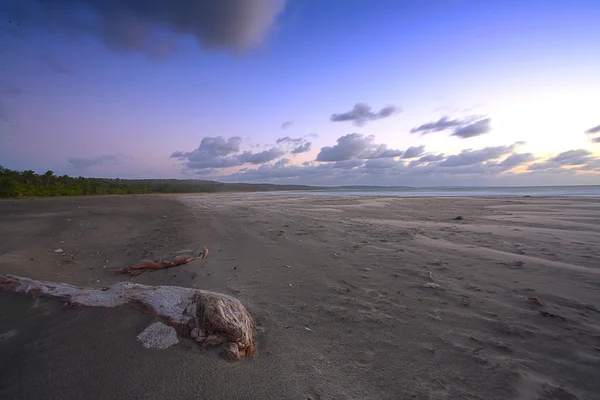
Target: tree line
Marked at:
31, 184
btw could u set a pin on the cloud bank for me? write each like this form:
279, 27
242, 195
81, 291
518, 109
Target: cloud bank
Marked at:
358, 159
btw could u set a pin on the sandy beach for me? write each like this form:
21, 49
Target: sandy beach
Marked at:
352, 297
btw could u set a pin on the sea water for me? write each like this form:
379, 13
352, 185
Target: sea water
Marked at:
516, 191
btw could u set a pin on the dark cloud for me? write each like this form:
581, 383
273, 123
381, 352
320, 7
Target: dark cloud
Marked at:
379, 163
289, 140
443, 124
84, 163
386, 153
4, 114
592, 165
414, 163
286, 124
593, 130
567, 158
432, 158
303, 148
216, 147
470, 157
54, 65
311, 136
262, 157
596, 140
283, 162
387, 111
217, 153
297, 145
152, 27
476, 128
413, 152
517, 159
545, 165
463, 128
572, 157
362, 113
356, 146
348, 164
10, 90
279, 171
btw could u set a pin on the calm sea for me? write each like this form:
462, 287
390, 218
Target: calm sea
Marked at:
520, 191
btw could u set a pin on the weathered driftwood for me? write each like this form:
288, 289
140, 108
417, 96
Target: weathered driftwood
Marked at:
138, 269
209, 318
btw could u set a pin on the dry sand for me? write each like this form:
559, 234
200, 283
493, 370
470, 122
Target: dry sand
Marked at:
337, 289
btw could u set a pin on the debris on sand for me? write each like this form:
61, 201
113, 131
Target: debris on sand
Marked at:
204, 253
210, 318
58, 250
459, 218
349, 284
536, 300
158, 336
551, 315
431, 285
8, 335
138, 269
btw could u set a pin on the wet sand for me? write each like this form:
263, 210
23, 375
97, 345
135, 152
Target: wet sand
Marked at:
337, 288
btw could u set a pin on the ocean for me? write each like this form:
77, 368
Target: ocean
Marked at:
517, 191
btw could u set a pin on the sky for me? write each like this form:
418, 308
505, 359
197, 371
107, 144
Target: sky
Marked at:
337, 92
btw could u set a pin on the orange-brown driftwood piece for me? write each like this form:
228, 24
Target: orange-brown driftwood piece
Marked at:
138, 269
536, 300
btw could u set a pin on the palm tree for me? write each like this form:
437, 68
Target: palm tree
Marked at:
29, 177
48, 178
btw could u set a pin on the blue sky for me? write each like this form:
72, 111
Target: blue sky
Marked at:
247, 90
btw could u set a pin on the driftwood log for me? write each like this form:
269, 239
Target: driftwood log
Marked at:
138, 269
209, 318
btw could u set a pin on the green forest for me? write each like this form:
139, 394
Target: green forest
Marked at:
20, 184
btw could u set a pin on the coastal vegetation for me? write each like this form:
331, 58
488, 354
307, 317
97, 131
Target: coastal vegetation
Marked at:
28, 183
